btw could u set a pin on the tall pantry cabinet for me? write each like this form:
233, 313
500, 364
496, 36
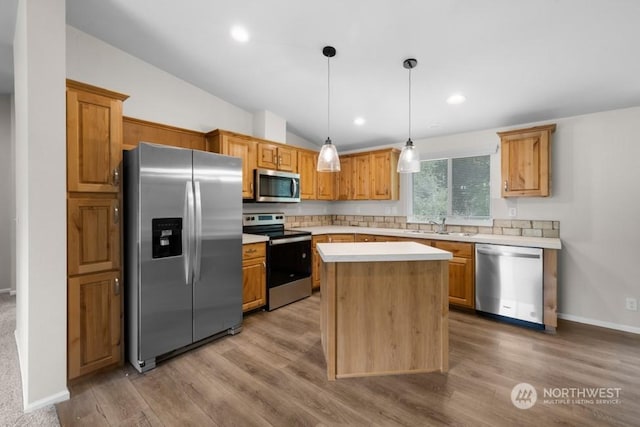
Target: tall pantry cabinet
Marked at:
94, 175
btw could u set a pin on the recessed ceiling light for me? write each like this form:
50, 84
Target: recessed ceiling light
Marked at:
359, 121
239, 34
456, 98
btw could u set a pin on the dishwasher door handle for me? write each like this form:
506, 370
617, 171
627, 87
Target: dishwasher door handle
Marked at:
508, 254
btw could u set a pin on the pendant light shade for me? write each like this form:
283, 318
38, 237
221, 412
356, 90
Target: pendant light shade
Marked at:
409, 161
328, 160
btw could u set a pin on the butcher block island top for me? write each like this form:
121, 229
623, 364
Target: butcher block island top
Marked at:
384, 308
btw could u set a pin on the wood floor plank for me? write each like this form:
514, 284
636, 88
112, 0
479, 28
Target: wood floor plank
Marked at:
172, 407
274, 373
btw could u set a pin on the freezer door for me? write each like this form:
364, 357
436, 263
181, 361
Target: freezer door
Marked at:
217, 291
165, 290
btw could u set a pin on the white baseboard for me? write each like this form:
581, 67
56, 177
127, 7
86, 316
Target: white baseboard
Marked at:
49, 400
602, 324
61, 396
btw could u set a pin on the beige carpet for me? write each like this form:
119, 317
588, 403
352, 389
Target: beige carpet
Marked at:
10, 383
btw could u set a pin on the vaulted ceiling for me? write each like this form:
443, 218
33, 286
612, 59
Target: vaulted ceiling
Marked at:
514, 61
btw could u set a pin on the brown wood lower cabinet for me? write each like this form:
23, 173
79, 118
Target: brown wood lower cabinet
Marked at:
254, 276
94, 322
315, 262
461, 272
461, 269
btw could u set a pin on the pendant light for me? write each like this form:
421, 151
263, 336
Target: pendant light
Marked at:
328, 160
409, 161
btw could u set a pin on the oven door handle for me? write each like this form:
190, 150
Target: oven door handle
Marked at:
289, 240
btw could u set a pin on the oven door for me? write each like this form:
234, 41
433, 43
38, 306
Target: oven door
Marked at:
289, 260
276, 186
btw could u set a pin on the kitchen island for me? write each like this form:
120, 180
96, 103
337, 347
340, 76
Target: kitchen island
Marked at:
384, 308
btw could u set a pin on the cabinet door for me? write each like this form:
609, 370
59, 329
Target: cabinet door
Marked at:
267, 156
254, 284
246, 150
93, 228
326, 185
308, 177
94, 322
315, 270
461, 289
381, 176
94, 142
361, 177
287, 159
525, 161
344, 180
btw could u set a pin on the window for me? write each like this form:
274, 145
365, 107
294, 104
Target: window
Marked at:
452, 188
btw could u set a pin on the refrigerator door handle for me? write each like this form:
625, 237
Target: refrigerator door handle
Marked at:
187, 232
198, 231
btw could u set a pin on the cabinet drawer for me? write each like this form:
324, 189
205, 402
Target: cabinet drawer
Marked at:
458, 249
253, 250
323, 238
341, 238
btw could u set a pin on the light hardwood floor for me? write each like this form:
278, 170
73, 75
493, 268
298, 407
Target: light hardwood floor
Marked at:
274, 373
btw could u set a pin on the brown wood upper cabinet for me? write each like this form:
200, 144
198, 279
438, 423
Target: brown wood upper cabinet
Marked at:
385, 183
307, 160
344, 179
237, 145
361, 177
94, 138
278, 157
369, 176
93, 233
525, 158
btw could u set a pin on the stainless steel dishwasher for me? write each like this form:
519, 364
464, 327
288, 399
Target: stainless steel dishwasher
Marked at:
509, 282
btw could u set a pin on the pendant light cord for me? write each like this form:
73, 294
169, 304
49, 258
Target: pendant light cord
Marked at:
328, 97
409, 104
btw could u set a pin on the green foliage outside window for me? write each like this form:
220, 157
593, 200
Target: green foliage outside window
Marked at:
456, 187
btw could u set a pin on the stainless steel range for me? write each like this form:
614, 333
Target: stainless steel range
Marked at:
288, 258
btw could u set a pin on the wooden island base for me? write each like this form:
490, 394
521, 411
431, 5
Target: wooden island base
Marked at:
380, 318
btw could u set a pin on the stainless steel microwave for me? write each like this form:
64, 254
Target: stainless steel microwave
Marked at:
276, 186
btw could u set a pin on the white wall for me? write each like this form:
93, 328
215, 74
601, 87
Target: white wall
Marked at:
6, 191
41, 306
155, 95
595, 177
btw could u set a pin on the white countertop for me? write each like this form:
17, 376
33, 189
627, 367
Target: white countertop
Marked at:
253, 238
380, 251
497, 239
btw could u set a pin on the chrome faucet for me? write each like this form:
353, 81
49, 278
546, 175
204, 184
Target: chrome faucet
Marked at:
442, 227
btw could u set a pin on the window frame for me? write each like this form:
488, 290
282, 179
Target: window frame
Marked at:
449, 218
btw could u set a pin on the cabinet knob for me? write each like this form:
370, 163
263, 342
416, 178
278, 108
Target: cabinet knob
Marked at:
116, 286
116, 215
115, 178
506, 185
264, 264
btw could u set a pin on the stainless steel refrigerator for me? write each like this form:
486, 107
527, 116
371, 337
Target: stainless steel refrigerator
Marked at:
183, 250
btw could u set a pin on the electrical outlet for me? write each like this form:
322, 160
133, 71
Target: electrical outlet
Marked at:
513, 212
632, 304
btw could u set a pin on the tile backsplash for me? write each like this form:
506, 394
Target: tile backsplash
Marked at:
512, 227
